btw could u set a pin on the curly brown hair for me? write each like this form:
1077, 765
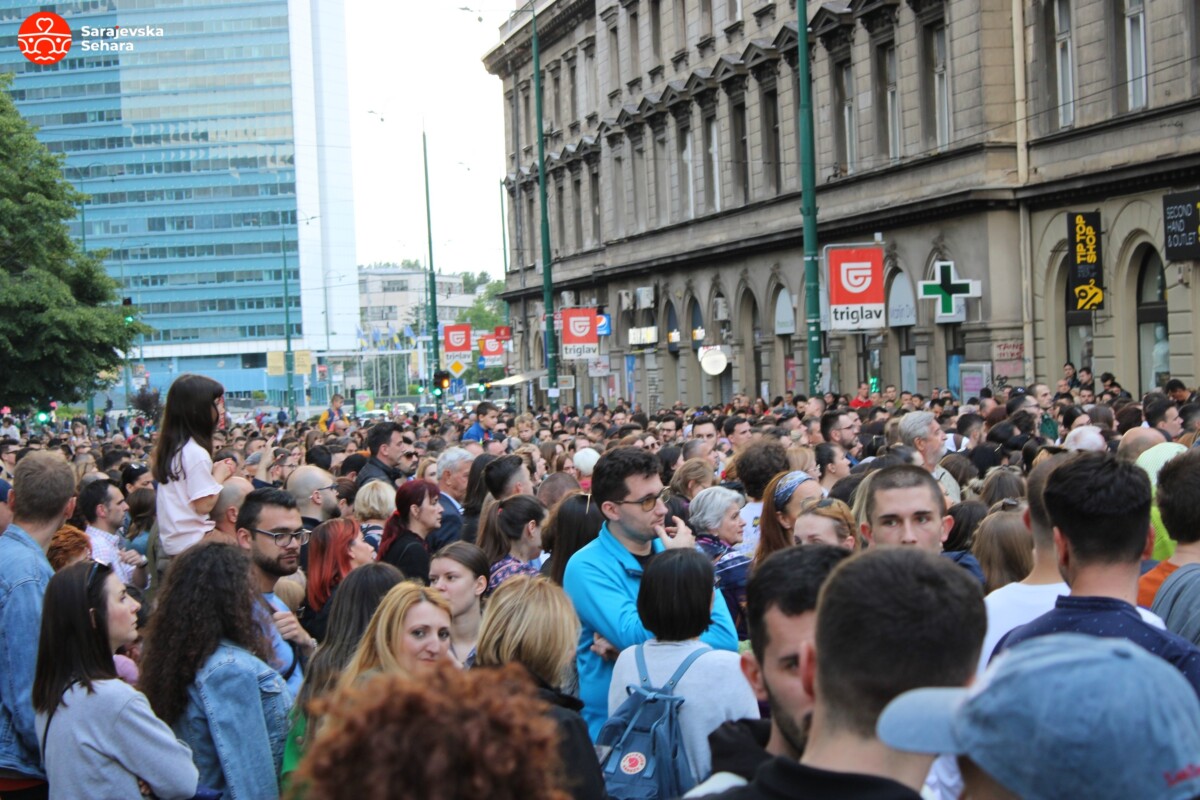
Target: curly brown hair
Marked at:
207, 597
453, 734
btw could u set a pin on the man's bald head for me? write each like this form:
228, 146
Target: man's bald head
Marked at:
311, 486
1137, 441
229, 502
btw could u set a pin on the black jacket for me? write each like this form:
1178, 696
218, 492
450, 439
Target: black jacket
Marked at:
784, 779
408, 554
580, 767
376, 470
740, 746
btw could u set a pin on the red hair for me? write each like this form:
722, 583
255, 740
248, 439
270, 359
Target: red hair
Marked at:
408, 494
329, 559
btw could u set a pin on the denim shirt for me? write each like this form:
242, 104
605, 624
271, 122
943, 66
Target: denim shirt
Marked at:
24, 573
236, 723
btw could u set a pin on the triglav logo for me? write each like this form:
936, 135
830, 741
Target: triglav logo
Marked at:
44, 38
856, 276
457, 338
581, 326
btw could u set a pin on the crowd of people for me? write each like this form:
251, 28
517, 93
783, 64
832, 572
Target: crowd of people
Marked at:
877, 595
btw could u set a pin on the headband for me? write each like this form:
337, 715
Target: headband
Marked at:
787, 487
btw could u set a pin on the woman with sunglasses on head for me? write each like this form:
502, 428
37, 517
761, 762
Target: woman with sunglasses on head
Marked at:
206, 672
98, 734
188, 481
825, 521
832, 463
418, 514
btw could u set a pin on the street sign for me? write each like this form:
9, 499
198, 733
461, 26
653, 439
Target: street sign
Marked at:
1181, 216
579, 337
856, 292
564, 382
1086, 260
458, 386
458, 339
481, 363
456, 367
948, 291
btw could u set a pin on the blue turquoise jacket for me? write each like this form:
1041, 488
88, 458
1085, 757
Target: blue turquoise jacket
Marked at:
24, 573
602, 580
236, 723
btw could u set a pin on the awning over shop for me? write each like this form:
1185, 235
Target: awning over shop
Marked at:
524, 377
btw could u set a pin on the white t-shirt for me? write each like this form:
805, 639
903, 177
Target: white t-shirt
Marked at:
751, 514
179, 526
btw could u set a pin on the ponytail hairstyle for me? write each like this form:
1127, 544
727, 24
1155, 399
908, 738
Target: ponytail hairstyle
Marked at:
511, 515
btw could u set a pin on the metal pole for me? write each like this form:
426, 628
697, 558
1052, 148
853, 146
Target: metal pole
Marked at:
128, 380
432, 276
289, 358
547, 279
808, 206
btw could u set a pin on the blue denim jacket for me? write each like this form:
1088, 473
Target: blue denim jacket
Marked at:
236, 723
24, 573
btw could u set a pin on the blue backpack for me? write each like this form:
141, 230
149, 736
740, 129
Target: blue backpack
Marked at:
643, 756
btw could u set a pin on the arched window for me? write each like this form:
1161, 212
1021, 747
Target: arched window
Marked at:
1080, 326
1154, 347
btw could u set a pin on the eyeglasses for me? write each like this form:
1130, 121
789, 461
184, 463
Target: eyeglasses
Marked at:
813, 503
409, 454
285, 539
91, 576
647, 503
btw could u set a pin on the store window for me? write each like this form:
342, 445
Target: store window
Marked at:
1154, 347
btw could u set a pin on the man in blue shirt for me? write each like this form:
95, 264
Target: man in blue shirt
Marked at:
269, 526
42, 497
603, 578
1100, 508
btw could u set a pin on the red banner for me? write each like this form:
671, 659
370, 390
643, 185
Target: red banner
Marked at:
491, 346
504, 333
580, 338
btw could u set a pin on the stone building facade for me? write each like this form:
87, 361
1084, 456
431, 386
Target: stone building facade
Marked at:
968, 132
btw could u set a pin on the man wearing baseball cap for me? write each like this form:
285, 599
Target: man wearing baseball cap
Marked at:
1062, 715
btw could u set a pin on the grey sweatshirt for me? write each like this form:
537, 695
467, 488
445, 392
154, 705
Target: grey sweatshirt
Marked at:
99, 744
714, 691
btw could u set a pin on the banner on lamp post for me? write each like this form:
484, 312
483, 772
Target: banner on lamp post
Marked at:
856, 292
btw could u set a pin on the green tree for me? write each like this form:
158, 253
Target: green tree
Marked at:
62, 333
488, 309
472, 281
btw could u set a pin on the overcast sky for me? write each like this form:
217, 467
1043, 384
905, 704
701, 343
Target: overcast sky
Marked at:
415, 63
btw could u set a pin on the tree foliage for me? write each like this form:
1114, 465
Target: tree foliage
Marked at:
488, 309
62, 333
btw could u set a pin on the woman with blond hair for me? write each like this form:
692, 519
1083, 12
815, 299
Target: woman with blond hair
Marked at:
825, 521
373, 504
409, 632
530, 621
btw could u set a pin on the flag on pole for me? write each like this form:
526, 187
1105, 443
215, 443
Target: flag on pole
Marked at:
408, 333
392, 340
362, 339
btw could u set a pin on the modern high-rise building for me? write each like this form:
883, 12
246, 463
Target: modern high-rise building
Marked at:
213, 140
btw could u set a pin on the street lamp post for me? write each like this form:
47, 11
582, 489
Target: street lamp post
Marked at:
808, 205
547, 278
433, 323
289, 358
91, 401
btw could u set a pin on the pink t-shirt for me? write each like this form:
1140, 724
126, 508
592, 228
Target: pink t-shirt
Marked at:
179, 526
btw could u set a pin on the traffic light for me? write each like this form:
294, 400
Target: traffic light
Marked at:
441, 382
43, 417
127, 304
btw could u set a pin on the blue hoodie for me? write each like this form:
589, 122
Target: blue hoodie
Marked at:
602, 580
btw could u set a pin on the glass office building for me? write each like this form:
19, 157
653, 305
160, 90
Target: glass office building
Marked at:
212, 137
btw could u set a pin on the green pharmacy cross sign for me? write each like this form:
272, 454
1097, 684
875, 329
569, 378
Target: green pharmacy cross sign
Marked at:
947, 288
